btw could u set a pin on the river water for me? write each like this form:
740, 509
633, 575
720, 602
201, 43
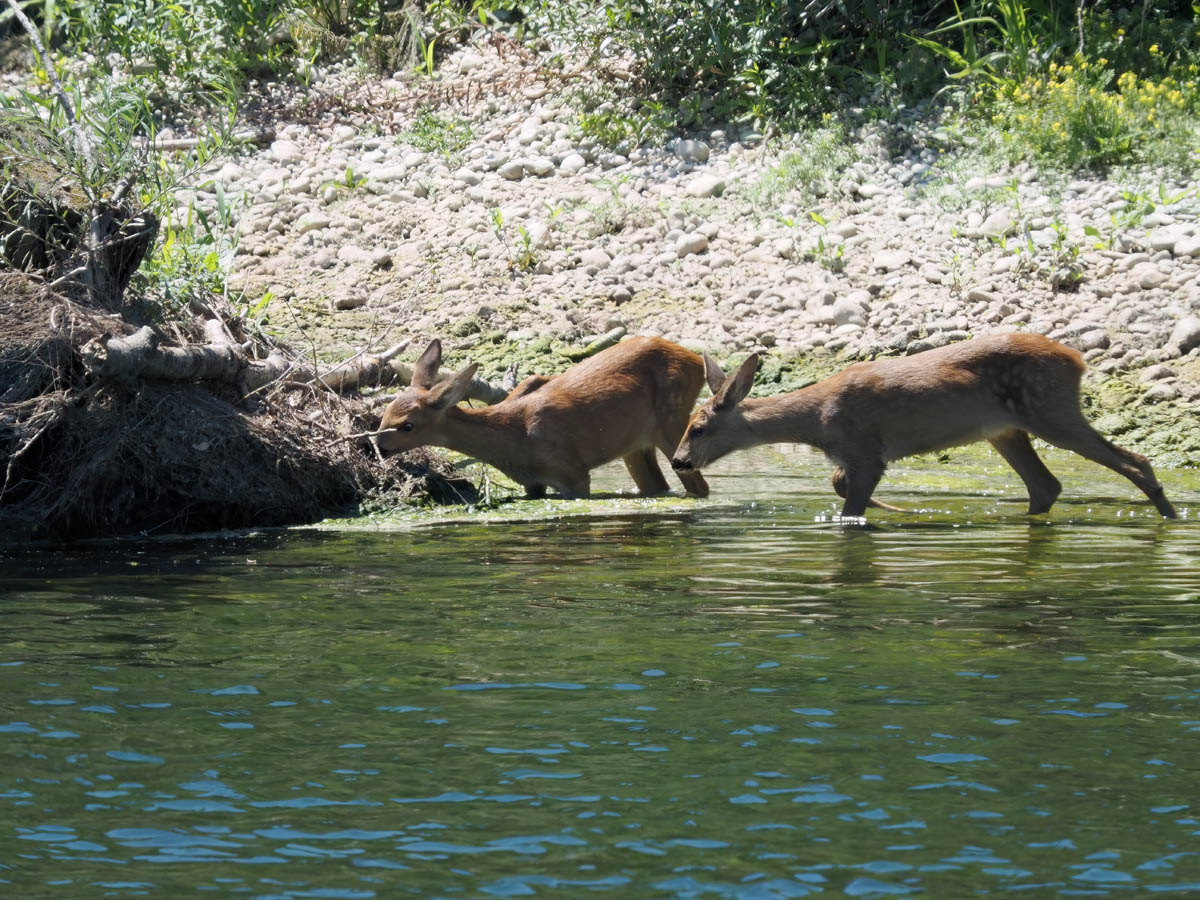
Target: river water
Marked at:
733, 698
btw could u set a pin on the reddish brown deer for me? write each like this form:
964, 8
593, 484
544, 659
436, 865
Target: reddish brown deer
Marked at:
1000, 389
551, 432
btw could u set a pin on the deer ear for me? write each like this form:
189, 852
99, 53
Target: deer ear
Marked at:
713, 374
737, 385
425, 369
449, 392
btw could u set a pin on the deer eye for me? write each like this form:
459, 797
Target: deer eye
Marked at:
407, 426
697, 430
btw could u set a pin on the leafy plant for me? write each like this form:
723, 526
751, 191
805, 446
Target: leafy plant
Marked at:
434, 132
618, 124
1064, 270
349, 181
1023, 42
828, 255
521, 258
807, 172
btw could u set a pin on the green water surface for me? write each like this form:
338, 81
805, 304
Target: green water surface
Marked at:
738, 698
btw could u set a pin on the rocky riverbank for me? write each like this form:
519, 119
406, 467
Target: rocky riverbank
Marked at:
815, 249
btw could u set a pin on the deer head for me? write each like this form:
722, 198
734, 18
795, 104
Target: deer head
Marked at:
715, 427
416, 416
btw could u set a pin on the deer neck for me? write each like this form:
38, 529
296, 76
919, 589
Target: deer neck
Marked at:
789, 418
493, 434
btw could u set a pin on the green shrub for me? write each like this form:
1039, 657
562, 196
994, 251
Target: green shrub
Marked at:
1078, 116
762, 60
187, 45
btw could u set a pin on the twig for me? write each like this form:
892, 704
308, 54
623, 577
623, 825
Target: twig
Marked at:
360, 434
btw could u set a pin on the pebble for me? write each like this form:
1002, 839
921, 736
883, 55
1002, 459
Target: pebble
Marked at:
706, 186
572, 164
595, 258
620, 294
514, 170
891, 260
846, 311
285, 151
1188, 246
1186, 334
1160, 392
1156, 373
349, 253
312, 221
692, 151
1148, 276
688, 244
1166, 238
1094, 339
539, 166
999, 224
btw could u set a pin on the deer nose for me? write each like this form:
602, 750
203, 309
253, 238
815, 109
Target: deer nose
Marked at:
680, 465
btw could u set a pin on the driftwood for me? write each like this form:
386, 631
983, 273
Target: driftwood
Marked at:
142, 355
253, 136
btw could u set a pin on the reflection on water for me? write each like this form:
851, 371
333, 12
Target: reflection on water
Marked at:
737, 698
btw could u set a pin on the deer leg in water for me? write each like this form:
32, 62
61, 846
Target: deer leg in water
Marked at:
694, 483
860, 482
648, 477
1081, 438
574, 487
839, 485
1016, 450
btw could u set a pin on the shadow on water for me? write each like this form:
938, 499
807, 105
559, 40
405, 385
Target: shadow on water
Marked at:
734, 698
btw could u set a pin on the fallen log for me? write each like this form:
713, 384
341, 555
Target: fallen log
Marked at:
142, 355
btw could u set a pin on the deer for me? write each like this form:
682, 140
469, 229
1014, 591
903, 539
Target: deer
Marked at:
551, 431
998, 388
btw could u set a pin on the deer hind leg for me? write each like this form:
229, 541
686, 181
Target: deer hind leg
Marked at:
1081, 438
669, 438
859, 483
648, 477
1043, 487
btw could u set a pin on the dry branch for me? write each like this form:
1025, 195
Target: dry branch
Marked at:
253, 136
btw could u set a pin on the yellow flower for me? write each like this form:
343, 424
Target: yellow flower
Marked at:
1153, 49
